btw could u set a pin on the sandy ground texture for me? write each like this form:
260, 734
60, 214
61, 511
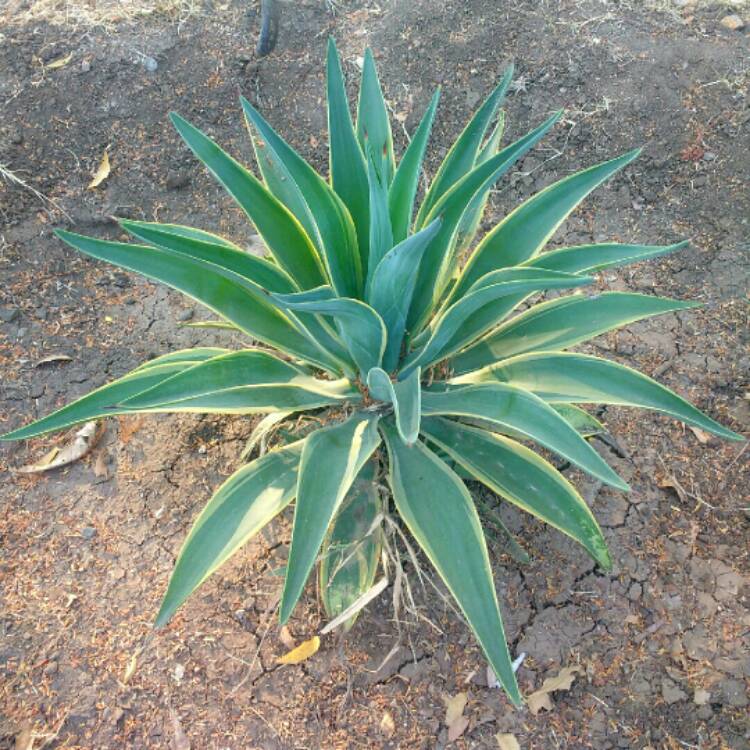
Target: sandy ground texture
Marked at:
662, 641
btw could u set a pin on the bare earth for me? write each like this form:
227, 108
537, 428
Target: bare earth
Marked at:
85, 553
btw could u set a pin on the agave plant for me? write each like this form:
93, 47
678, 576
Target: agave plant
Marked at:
402, 334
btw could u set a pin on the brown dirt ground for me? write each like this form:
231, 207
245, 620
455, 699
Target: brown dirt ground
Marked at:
86, 553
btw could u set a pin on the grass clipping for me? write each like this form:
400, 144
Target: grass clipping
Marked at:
87, 13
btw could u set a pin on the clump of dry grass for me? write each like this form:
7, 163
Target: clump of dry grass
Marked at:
88, 13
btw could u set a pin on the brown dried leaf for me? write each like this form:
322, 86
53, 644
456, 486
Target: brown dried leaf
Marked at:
54, 358
454, 707
703, 437
128, 427
387, 725
457, 728
102, 173
304, 651
83, 441
60, 62
507, 742
562, 681
130, 669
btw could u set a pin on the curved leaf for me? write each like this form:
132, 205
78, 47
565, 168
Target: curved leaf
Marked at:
243, 382
233, 297
373, 125
460, 324
525, 413
362, 329
598, 257
172, 237
283, 234
347, 164
582, 379
335, 232
381, 233
352, 547
404, 186
440, 515
563, 322
525, 231
393, 286
406, 397
331, 459
242, 506
98, 403
462, 156
440, 258
522, 478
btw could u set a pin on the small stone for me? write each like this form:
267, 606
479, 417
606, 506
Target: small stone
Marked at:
709, 156
733, 693
88, 532
701, 697
634, 592
704, 712
150, 64
21, 333
672, 692
85, 66
8, 314
186, 315
733, 22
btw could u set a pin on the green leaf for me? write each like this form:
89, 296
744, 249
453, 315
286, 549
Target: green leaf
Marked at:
262, 429
561, 323
393, 286
212, 324
335, 232
226, 293
244, 382
582, 379
373, 125
242, 506
439, 513
361, 328
469, 225
440, 258
590, 258
522, 478
527, 414
524, 232
381, 233
171, 237
98, 403
490, 514
331, 459
460, 324
282, 233
347, 164
462, 156
406, 397
580, 420
352, 547
404, 186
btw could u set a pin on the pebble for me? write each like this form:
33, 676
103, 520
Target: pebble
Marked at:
8, 314
634, 592
85, 66
733, 22
150, 64
672, 692
88, 532
733, 693
186, 315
